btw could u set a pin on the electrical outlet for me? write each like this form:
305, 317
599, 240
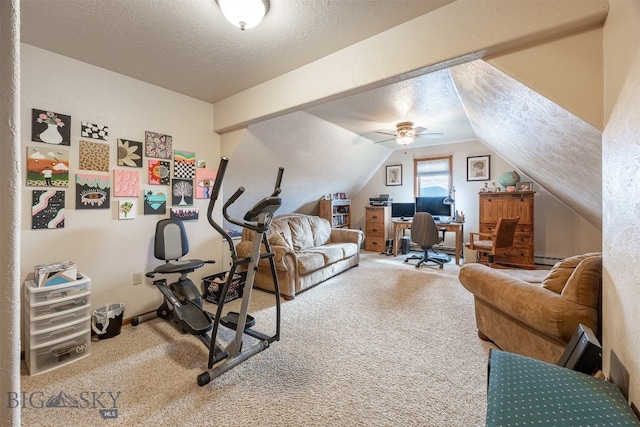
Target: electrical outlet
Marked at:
137, 278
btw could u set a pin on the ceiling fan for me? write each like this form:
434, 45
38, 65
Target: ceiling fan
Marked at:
405, 133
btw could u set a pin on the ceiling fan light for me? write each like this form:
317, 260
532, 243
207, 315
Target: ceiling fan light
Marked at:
244, 14
404, 140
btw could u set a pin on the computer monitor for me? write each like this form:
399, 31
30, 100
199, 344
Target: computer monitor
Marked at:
403, 210
434, 206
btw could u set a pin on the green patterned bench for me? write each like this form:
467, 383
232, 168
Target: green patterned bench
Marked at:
528, 392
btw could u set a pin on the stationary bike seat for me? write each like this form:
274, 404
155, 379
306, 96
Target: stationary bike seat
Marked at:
178, 266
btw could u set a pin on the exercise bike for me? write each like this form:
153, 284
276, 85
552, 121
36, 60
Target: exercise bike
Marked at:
183, 305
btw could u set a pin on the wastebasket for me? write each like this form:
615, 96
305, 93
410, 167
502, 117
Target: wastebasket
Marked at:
107, 320
406, 245
469, 254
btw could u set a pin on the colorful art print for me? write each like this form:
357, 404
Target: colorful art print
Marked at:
127, 209
126, 183
155, 202
184, 214
201, 163
94, 131
47, 167
129, 153
205, 179
158, 145
159, 172
184, 164
181, 192
47, 209
50, 127
94, 156
92, 191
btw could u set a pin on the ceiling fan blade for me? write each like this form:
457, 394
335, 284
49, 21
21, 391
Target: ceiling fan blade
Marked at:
386, 140
418, 130
431, 135
387, 132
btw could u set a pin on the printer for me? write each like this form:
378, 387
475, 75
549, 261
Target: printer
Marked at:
382, 200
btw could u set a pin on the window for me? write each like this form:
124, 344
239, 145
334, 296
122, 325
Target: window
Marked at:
433, 176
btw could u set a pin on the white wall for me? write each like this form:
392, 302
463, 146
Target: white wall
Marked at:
106, 249
559, 232
621, 233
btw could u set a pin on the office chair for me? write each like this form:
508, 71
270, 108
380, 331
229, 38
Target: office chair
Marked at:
501, 238
424, 232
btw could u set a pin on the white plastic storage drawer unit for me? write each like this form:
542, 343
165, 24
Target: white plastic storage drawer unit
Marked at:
57, 324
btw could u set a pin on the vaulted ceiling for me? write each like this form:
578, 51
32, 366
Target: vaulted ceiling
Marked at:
191, 49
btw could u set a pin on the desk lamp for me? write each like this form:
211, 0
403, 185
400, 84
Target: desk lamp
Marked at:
451, 200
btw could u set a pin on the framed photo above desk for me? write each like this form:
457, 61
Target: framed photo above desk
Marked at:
394, 175
479, 168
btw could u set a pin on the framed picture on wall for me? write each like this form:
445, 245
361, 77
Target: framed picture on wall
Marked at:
394, 175
479, 168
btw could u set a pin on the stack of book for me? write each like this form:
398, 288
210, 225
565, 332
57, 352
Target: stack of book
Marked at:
55, 274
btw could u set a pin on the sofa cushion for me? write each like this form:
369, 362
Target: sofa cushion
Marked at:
301, 236
321, 230
282, 228
583, 287
558, 276
277, 239
309, 261
348, 249
331, 253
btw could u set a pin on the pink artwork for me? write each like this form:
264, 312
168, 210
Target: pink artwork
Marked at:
204, 183
126, 183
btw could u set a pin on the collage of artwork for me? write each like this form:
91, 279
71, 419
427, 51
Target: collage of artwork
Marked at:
48, 165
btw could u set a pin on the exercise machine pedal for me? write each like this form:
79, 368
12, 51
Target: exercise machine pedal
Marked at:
231, 320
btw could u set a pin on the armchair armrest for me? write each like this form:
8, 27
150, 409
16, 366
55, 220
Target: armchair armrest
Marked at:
531, 304
475, 233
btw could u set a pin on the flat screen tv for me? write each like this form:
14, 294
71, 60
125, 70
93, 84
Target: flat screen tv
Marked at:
433, 205
403, 210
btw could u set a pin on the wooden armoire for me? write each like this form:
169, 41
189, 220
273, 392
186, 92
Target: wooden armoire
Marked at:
509, 205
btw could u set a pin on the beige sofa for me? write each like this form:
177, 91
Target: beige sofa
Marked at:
307, 251
535, 312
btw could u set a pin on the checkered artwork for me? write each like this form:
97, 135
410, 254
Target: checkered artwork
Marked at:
94, 131
184, 164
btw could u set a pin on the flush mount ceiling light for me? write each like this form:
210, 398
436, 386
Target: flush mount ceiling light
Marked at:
244, 14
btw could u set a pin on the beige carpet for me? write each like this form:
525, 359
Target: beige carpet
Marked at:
383, 344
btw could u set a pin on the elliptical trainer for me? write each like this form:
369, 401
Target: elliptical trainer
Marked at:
183, 304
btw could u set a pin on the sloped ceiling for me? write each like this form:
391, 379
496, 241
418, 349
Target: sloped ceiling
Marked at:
305, 146
555, 148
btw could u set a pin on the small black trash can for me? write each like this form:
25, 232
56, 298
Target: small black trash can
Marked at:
107, 320
406, 245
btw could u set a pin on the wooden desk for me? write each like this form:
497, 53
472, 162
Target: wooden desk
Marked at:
454, 227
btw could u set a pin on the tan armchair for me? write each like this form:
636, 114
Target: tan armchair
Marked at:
535, 312
501, 238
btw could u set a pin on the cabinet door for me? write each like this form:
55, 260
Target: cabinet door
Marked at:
507, 206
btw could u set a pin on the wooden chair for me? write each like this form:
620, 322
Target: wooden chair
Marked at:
501, 238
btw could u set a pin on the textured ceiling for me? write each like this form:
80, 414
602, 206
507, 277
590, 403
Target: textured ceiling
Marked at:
430, 101
187, 45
